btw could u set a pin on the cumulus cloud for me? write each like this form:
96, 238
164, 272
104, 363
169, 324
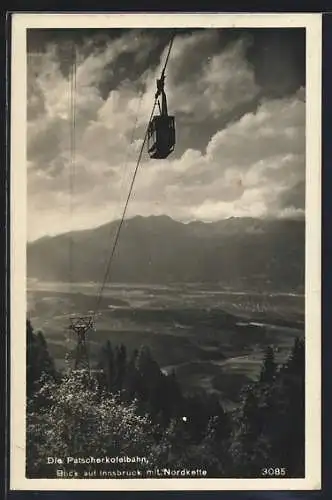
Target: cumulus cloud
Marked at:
248, 166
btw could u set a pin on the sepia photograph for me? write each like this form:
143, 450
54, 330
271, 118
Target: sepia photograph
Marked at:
165, 200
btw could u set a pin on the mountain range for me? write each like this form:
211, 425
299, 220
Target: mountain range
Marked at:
251, 253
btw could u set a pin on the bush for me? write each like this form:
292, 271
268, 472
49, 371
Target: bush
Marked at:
79, 421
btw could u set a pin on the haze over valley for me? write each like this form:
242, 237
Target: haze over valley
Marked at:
207, 298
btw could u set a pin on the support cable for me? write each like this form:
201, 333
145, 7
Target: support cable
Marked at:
116, 239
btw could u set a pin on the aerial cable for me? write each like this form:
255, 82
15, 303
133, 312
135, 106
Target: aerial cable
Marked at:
72, 159
125, 163
168, 53
70, 168
116, 239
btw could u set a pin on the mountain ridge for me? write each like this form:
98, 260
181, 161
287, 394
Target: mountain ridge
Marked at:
165, 217
159, 249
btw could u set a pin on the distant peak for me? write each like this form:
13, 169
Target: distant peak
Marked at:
164, 219
155, 218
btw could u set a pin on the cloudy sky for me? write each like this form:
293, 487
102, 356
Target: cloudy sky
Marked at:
238, 96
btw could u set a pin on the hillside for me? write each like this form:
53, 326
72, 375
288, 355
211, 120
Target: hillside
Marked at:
251, 253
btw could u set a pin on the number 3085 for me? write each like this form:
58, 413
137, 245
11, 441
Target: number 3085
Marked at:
274, 471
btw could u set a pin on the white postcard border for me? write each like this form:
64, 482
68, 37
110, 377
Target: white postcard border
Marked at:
18, 209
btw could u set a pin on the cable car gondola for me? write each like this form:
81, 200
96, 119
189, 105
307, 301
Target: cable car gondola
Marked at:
160, 134
161, 130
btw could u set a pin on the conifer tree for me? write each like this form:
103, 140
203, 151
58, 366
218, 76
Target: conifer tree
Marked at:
289, 431
132, 382
269, 367
120, 361
107, 366
39, 362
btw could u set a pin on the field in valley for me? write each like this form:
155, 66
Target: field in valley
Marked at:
214, 339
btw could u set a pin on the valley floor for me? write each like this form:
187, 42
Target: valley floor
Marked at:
213, 339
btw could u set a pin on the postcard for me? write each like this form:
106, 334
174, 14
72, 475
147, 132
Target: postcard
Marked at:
165, 183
